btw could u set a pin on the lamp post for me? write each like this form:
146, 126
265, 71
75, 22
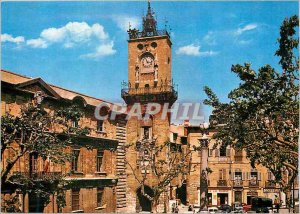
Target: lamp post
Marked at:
203, 167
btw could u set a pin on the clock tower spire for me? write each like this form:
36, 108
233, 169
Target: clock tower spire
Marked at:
149, 64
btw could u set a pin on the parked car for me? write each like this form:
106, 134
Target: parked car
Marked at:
225, 208
246, 207
238, 206
261, 205
213, 210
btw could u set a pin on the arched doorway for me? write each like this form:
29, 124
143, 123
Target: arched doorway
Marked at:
143, 202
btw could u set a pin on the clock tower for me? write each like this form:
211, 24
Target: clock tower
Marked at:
149, 81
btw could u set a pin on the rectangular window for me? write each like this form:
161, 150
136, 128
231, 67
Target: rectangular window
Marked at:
223, 151
238, 175
99, 160
146, 133
33, 162
100, 191
210, 152
75, 160
222, 174
175, 137
75, 199
100, 125
184, 140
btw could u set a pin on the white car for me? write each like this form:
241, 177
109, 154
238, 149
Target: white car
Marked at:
213, 209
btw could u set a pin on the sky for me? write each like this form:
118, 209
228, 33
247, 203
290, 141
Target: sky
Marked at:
82, 46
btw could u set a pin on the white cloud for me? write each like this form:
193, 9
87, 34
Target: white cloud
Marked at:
74, 33
209, 38
248, 27
194, 50
191, 50
245, 42
9, 38
69, 36
101, 50
208, 53
37, 43
124, 20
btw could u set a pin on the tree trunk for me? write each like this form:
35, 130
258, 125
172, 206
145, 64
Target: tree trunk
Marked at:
154, 204
288, 197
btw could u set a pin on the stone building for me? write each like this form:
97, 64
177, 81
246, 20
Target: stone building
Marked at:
149, 80
96, 171
232, 178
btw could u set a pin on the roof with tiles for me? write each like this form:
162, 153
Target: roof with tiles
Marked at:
14, 78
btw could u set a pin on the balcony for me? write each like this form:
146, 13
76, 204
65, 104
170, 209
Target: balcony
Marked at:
135, 34
253, 183
238, 158
237, 183
222, 183
270, 184
40, 176
150, 94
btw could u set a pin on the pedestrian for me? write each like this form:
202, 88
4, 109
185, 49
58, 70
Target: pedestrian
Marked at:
176, 209
277, 203
173, 208
190, 208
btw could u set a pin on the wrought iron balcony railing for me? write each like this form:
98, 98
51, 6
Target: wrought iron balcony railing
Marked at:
159, 93
237, 183
253, 183
222, 183
238, 158
270, 184
41, 175
134, 34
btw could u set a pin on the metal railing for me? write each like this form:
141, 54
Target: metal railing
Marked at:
222, 183
270, 184
148, 90
140, 34
237, 183
41, 175
253, 183
238, 158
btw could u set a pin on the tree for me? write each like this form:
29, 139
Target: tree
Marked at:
161, 164
262, 114
47, 134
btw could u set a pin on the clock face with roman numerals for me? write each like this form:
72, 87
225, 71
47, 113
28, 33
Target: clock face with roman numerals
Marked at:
147, 61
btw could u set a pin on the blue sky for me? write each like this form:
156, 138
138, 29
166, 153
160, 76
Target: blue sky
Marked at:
82, 46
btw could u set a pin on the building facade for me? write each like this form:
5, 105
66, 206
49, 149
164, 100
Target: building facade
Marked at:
94, 169
232, 179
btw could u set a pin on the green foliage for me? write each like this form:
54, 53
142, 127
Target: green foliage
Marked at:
37, 131
262, 114
167, 162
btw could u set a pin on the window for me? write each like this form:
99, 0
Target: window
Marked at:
175, 135
184, 140
223, 151
99, 160
271, 177
222, 174
146, 132
75, 199
75, 160
100, 125
210, 152
100, 191
33, 162
238, 175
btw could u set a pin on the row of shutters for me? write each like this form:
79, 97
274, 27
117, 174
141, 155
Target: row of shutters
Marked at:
223, 175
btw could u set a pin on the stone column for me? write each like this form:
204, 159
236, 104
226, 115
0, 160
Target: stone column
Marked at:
203, 172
